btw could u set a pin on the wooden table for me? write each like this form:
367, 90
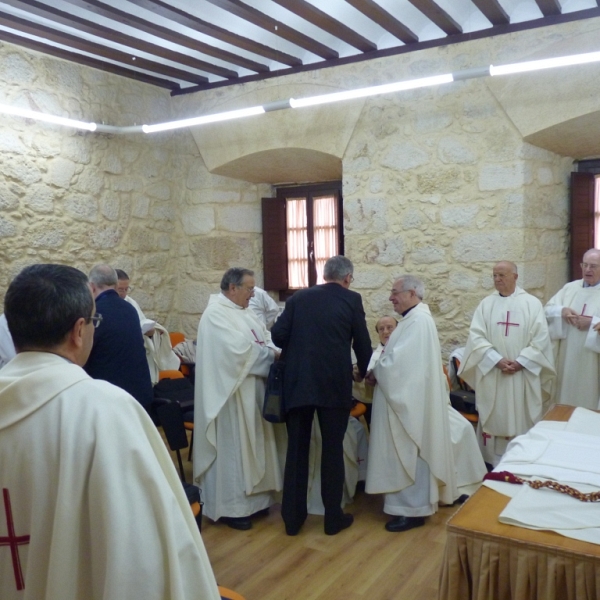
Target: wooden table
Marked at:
488, 560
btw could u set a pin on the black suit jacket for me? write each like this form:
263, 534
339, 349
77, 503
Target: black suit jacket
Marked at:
316, 331
118, 354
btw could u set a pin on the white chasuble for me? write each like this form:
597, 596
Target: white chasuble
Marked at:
577, 367
89, 494
410, 414
512, 327
237, 459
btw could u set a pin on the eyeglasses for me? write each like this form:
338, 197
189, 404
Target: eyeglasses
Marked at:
588, 266
127, 289
96, 320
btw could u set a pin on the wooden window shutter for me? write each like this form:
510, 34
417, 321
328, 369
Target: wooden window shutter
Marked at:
581, 220
274, 244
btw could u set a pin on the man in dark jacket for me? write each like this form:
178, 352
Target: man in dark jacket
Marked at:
118, 355
316, 331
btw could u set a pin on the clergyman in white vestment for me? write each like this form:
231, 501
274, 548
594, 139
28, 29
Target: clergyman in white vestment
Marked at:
410, 450
7, 348
237, 461
569, 313
159, 352
91, 506
468, 461
264, 307
508, 360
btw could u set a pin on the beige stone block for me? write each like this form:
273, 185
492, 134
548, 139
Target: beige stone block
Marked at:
140, 207
368, 278
242, 219
403, 156
82, 207
193, 297
451, 150
160, 191
17, 70
128, 184
432, 121
10, 141
363, 215
427, 255
388, 252
74, 149
221, 253
105, 236
440, 181
7, 227
490, 246
20, 168
463, 282
61, 172
504, 176
459, 216
89, 181
39, 198
47, 235
532, 276
545, 176
197, 220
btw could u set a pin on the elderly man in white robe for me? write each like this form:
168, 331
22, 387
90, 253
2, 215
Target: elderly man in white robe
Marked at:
91, 504
468, 461
410, 450
508, 360
159, 352
236, 452
570, 313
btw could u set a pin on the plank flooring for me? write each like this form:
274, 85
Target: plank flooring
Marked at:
364, 562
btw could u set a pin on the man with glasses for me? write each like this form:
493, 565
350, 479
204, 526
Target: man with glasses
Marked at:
236, 452
118, 355
91, 505
509, 362
569, 314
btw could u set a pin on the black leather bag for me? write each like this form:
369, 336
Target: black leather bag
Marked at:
274, 406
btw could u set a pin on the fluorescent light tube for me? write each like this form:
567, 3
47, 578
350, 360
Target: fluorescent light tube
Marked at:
547, 63
225, 116
372, 91
38, 116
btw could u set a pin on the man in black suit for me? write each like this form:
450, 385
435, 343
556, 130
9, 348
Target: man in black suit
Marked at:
118, 355
315, 331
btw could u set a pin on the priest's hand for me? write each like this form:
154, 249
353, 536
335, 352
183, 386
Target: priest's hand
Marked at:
370, 378
356, 374
583, 323
570, 316
597, 327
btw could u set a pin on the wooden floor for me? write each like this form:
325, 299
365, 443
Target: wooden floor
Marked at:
364, 562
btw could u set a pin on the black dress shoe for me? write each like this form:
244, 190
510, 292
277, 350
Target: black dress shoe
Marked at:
343, 523
461, 499
398, 524
262, 513
241, 523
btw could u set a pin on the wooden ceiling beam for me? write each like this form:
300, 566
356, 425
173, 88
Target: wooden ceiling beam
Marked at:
384, 19
49, 12
323, 21
167, 11
549, 7
250, 14
438, 15
81, 59
493, 11
109, 12
74, 42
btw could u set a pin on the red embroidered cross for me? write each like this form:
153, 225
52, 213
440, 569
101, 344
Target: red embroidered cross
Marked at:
14, 541
359, 460
507, 323
486, 437
583, 311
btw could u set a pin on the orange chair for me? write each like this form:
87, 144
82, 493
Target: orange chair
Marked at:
176, 338
227, 594
358, 410
170, 374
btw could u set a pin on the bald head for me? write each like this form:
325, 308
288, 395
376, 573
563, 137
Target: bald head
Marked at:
590, 266
505, 277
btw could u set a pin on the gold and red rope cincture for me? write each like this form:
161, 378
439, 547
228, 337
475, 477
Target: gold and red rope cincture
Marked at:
536, 484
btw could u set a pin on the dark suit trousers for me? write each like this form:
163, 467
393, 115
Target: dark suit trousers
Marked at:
333, 423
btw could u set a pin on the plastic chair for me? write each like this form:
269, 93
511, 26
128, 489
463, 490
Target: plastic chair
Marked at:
170, 374
176, 338
171, 420
227, 594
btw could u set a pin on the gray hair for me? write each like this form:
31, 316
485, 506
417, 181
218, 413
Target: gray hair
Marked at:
410, 282
337, 267
103, 276
234, 275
